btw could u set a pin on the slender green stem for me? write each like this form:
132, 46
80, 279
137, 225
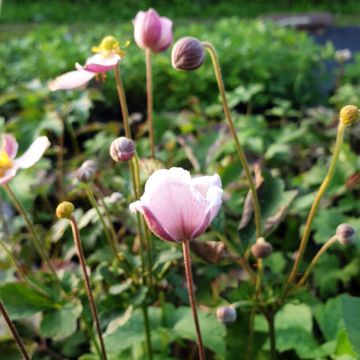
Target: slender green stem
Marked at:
146, 230
61, 168
122, 100
14, 332
147, 332
108, 216
149, 93
217, 69
80, 252
125, 115
90, 332
272, 334
250, 343
314, 261
314, 207
94, 204
37, 242
192, 299
259, 278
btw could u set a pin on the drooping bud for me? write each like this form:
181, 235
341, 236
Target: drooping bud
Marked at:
65, 210
226, 314
187, 54
122, 149
349, 114
86, 171
346, 234
261, 249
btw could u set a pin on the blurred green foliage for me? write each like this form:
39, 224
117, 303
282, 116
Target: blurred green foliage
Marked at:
69, 11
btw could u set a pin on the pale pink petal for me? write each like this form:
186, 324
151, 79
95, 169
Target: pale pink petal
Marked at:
33, 153
10, 145
138, 30
71, 80
203, 183
177, 208
214, 200
101, 63
152, 222
166, 35
9, 174
147, 29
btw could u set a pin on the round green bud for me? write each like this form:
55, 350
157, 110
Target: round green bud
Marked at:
349, 114
65, 210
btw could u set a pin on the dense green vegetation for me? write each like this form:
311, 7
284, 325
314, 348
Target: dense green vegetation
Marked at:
17, 11
275, 80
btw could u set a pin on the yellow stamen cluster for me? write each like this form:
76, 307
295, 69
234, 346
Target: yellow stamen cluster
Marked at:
109, 45
5, 162
65, 210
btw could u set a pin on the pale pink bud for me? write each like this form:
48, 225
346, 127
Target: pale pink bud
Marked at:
187, 54
122, 149
346, 234
261, 249
152, 31
177, 207
226, 314
86, 171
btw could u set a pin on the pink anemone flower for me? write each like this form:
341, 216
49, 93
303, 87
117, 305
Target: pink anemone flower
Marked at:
152, 31
108, 54
9, 165
177, 207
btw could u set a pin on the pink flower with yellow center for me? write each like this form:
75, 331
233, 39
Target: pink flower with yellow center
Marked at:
9, 165
108, 54
152, 31
177, 207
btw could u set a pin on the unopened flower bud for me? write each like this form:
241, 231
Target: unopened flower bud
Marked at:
187, 54
65, 210
261, 249
86, 171
226, 314
346, 234
349, 114
122, 149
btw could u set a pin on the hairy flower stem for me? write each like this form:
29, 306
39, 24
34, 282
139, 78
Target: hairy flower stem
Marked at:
316, 258
249, 349
36, 240
110, 239
217, 69
14, 332
149, 94
80, 253
192, 299
314, 207
122, 100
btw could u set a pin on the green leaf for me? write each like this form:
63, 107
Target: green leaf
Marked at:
213, 333
61, 323
21, 301
351, 315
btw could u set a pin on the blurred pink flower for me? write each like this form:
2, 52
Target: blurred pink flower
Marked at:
107, 56
8, 150
177, 207
152, 31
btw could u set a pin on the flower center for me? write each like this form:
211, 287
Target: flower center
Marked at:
5, 162
109, 45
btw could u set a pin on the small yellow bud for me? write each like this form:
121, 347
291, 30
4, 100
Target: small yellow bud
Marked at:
65, 210
349, 114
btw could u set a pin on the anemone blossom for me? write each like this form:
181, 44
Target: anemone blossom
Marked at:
9, 165
177, 207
